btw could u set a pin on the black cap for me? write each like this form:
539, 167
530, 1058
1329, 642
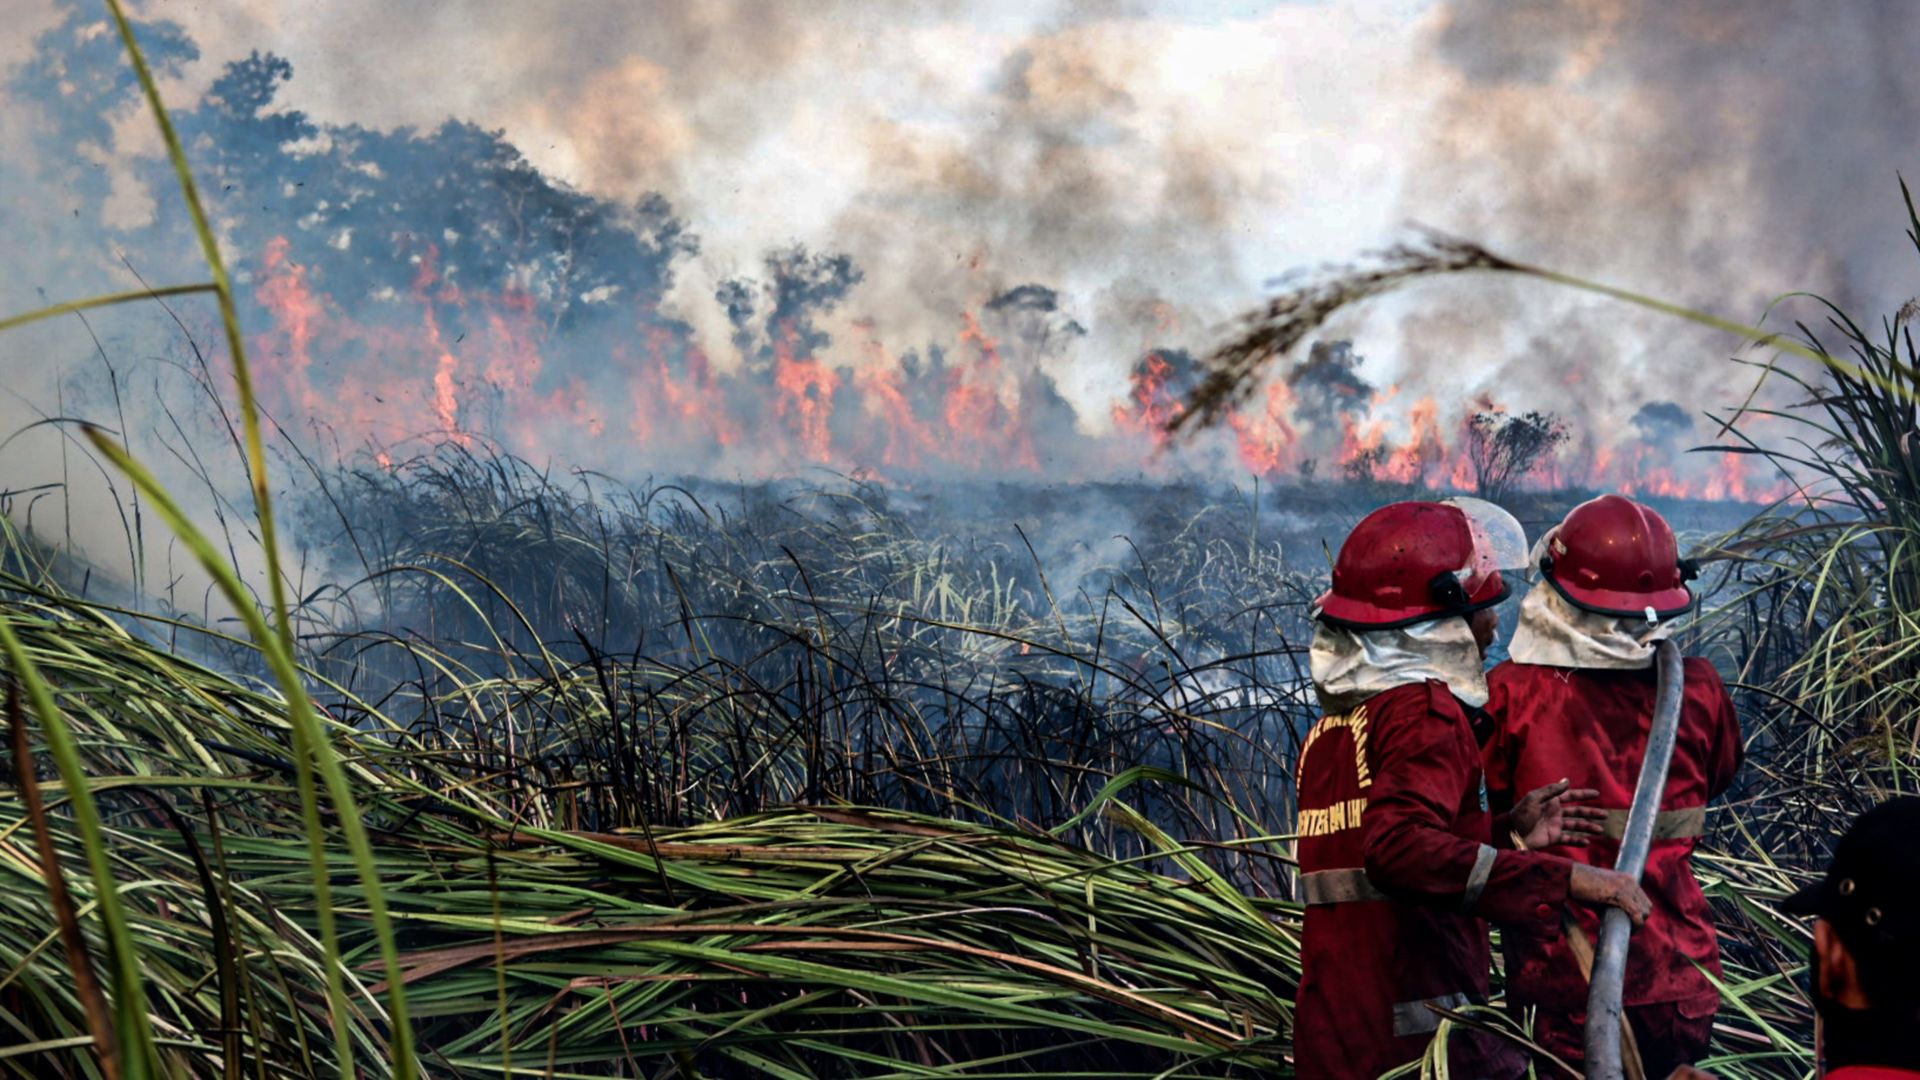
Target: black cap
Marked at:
1871, 894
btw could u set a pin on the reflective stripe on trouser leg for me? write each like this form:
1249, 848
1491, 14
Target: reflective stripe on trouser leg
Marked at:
1337, 887
1418, 1017
1477, 879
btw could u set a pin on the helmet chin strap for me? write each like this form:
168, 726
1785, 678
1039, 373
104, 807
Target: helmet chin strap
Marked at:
1447, 589
1689, 570
1543, 549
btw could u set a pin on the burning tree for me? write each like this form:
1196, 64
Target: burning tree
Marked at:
1504, 449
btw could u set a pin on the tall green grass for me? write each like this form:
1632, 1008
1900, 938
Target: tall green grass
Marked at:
807, 942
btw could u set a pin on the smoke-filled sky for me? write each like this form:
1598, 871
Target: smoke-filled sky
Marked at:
1149, 166
1182, 152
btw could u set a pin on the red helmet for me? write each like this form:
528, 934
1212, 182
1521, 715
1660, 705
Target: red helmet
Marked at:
1408, 563
1614, 556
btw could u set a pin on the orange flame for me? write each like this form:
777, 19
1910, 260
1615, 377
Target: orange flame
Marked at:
1267, 440
446, 401
1151, 405
806, 396
1413, 461
983, 406
883, 391
458, 362
285, 291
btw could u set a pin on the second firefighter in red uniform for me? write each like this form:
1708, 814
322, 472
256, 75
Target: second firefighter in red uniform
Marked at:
1400, 863
1576, 700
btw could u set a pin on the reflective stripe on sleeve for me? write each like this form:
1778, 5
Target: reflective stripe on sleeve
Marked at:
1477, 880
1418, 1017
1337, 887
1667, 825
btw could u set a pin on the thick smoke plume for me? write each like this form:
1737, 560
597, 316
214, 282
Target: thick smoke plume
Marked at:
1038, 316
1720, 154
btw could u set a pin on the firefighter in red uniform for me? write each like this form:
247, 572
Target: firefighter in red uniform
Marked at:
1399, 862
1576, 700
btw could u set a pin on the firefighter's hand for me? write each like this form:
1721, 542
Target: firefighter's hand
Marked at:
1602, 888
1688, 1072
1553, 815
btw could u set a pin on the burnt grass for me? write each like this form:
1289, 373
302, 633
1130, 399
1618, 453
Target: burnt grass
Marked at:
986, 651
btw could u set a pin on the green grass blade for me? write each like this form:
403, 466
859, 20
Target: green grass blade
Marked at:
131, 1025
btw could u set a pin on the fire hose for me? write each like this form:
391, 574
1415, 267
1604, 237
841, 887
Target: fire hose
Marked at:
1605, 1015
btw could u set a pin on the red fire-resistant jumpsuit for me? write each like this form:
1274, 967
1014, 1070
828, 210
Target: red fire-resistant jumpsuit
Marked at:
1590, 726
1397, 873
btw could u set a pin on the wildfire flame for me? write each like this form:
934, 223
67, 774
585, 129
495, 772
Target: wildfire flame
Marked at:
806, 397
1151, 404
1267, 440
445, 362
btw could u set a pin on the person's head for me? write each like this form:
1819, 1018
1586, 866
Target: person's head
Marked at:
1866, 945
1414, 562
1614, 556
